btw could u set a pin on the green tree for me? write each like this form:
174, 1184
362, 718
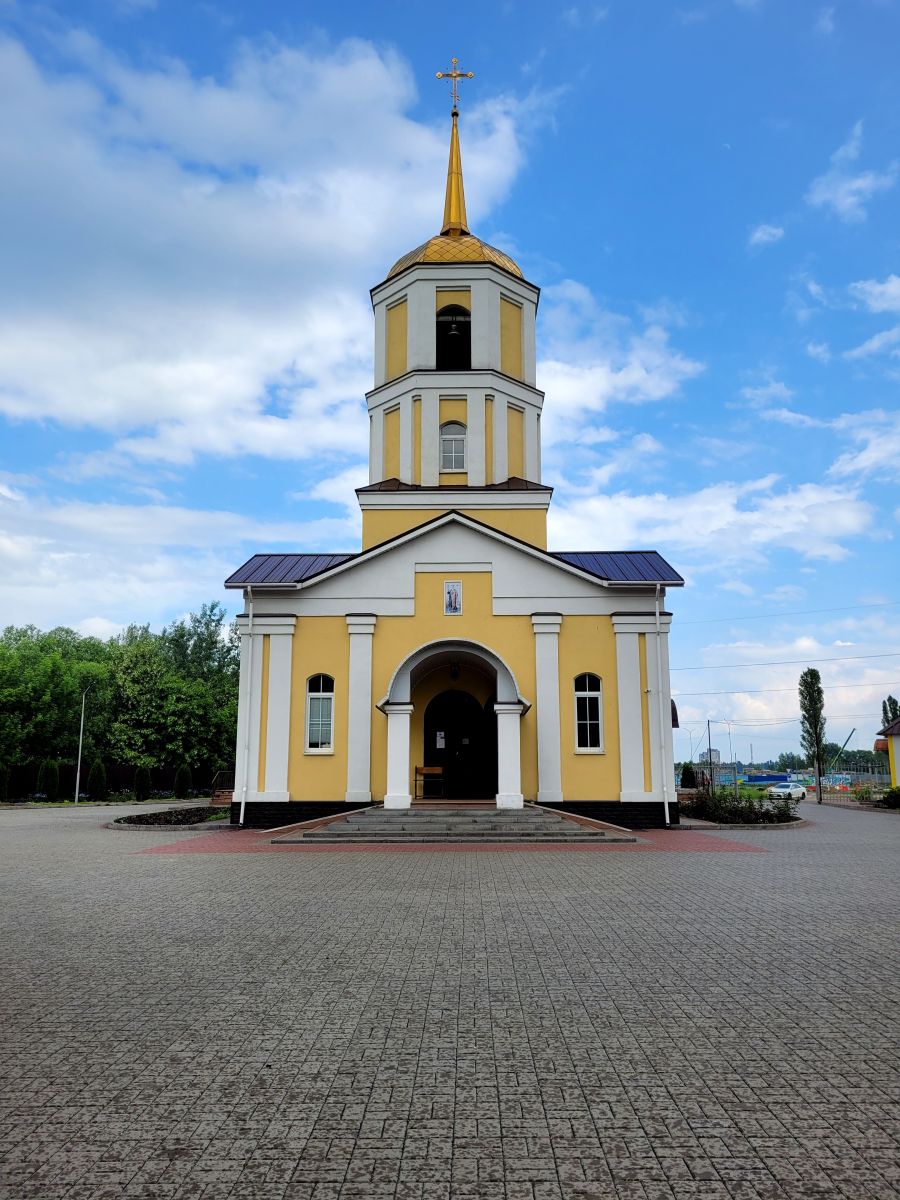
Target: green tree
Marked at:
48, 779
790, 762
688, 776
183, 782
4, 784
890, 710
96, 784
142, 784
812, 722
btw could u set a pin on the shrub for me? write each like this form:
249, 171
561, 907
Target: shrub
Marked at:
891, 798
48, 780
142, 784
96, 784
183, 782
688, 776
4, 784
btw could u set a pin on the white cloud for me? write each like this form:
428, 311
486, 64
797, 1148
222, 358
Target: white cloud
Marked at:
765, 235
789, 416
877, 438
766, 393
193, 254
886, 340
725, 522
825, 23
820, 351
878, 297
843, 190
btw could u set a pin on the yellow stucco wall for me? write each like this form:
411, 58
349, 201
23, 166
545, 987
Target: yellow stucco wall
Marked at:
392, 444
453, 409
528, 524
263, 712
321, 646
510, 338
589, 644
396, 355
515, 434
445, 296
396, 638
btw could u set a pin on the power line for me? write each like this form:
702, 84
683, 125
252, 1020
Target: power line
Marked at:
787, 662
830, 687
797, 612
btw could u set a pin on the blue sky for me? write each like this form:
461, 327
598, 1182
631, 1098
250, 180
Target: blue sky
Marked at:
199, 196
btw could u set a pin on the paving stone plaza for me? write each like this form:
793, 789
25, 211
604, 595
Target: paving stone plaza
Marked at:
710, 1017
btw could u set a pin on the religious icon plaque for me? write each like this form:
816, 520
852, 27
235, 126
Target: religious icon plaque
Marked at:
452, 598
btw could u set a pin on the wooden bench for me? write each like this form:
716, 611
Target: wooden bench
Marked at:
424, 776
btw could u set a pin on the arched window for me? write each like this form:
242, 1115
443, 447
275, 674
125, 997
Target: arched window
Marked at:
453, 339
588, 713
453, 446
319, 714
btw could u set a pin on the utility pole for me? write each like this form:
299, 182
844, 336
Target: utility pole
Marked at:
712, 777
80, 740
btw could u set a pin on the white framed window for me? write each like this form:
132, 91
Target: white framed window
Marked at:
320, 714
588, 714
453, 446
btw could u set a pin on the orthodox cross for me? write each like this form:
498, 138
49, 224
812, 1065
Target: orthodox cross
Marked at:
454, 76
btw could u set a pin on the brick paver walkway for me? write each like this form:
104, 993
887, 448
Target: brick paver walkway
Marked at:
285, 1026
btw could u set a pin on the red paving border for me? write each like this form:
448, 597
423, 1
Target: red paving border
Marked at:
252, 841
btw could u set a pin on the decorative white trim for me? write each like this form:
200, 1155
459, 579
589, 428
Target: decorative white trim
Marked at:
475, 438
424, 498
360, 627
641, 622
546, 628
453, 385
509, 755
500, 464
430, 449
278, 711
317, 750
262, 624
399, 688
406, 438
444, 568
601, 749
532, 451
397, 794
631, 726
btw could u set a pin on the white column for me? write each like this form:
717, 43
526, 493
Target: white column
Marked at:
529, 315
430, 437
485, 325
421, 326
243, 715
509, 755
278, 717
360, 626
501, 454
475, 438
532, 457
398, 795
376, 445
628, 684
546, 653
380, 343
406, 438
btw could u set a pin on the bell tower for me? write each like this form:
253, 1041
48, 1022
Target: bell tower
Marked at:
454, 416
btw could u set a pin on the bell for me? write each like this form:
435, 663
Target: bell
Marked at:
453, 332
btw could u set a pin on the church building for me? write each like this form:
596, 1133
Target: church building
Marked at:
454, 655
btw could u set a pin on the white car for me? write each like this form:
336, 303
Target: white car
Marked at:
786, 791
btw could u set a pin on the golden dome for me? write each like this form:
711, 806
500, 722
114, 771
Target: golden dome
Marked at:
455, 244
445, 248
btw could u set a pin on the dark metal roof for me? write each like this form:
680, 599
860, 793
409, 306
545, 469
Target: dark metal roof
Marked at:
622, 566
892, 729
270, 570
513, 484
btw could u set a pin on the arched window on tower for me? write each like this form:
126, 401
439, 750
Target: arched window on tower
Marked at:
453, 339
588, 714
453, 446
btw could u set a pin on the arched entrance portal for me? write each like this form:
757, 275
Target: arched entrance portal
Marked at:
424, 676
460, 737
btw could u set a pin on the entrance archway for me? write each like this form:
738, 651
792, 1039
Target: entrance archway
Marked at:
507, 706
460, 737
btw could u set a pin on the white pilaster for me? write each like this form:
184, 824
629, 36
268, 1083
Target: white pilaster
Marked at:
484, 337
475, 438
546, 652
376, 445
509, 755
669, 763
631, 730
398, 794
360, 627
421, 326
278, 712
431, 420
532, 454
241, 775
380, 344
501, 441
529, 370
406, 438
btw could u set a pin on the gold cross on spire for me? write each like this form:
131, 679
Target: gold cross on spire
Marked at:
454, 76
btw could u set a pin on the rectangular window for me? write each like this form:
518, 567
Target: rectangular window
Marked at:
319, 722
453, 453
587, 722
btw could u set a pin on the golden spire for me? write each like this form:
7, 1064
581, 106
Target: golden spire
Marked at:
455, 223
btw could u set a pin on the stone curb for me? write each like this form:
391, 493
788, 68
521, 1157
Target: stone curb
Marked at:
707, 825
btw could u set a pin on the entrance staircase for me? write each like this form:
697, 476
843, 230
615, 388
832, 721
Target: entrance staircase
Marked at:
466, 823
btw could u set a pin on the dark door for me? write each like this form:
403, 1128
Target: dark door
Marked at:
461, 739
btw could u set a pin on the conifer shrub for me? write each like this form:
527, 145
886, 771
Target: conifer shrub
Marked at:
48, 780
96, 784
183, 782
142, 784
688, 776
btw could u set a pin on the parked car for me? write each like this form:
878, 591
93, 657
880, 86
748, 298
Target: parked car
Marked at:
785, 791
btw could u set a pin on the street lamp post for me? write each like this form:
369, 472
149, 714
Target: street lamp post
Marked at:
80, 741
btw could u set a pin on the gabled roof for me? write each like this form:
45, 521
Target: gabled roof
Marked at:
616, 567
892, 729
